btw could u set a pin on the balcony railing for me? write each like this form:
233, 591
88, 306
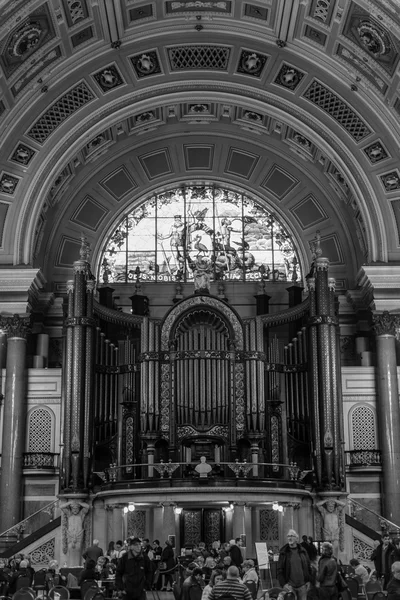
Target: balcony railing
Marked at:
363, 458
172, 470
40, 460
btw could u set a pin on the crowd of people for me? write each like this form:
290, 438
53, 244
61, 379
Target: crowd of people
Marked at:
136, 565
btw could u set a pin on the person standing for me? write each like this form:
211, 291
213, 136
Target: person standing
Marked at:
294, 567
235, 554
134, 572
168, 558
327, 573
382, 559
94, 551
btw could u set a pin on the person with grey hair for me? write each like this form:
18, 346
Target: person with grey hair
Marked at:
231, 586
250, 573
327, 573
94, 551
294, 567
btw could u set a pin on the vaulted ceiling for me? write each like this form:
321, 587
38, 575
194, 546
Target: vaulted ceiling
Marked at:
105, 102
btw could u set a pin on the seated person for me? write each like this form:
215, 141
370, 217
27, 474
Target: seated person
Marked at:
393, 587
104, 567
23, 571
359, 570
89, 572
250, 573
5, 577
53, 575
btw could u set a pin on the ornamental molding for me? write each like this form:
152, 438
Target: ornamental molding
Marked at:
12, 280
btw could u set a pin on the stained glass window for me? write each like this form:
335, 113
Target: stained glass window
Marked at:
171, 234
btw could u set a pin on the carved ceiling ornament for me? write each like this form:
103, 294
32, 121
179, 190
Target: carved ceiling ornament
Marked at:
372, 37
25, 39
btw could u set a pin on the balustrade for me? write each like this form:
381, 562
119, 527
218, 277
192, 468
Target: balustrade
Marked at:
183, 470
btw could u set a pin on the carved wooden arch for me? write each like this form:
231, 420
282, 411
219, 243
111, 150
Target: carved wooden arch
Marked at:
208, 302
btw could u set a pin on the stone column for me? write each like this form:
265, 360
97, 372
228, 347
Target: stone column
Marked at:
117, 523
169, 520
238, 519
14, 421
385, 325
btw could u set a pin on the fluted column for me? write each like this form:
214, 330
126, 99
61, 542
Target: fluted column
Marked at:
14, 421
385, 326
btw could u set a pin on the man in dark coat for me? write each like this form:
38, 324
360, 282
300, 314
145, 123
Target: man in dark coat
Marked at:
382, 559
294, 567
235, 554
134, 572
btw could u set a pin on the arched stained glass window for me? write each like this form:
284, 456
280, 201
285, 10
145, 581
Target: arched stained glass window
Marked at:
171, 234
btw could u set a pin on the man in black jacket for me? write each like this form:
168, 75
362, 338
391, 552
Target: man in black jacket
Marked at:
134, 572
294, 567
382, 559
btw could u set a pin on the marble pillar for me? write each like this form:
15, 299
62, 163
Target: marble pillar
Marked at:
385, 326
238, 522
14, 421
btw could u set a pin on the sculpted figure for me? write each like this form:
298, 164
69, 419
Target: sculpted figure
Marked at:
75, 512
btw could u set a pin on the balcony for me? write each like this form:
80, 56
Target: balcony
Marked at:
184, 475
43, 461
363, 459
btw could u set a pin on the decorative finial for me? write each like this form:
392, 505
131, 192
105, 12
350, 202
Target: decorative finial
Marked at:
315, 246
84, 252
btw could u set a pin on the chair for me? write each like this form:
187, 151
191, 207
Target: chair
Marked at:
88, 584
379, 596
371, 587
39, 583
23, 581
354, 587
345, 595
63, 593
252, 586
24, 593
96, 595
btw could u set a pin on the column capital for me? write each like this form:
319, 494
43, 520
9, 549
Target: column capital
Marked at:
16, 326
321, 263
386, 324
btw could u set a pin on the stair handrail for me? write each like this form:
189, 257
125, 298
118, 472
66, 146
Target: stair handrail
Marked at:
19, 528
382, 520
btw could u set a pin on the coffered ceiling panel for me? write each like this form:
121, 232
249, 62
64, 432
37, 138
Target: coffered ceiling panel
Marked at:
103, 102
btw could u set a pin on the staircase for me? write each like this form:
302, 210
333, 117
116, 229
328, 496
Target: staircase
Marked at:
369, 525
31, 532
